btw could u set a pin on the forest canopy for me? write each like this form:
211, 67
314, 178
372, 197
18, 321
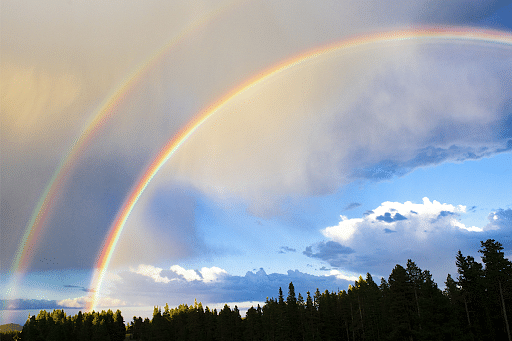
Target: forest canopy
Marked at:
407, 306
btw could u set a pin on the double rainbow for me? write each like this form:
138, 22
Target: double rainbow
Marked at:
425, 33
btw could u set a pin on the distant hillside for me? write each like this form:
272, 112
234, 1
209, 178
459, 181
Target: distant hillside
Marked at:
10, 327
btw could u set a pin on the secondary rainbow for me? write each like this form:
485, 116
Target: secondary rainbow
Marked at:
104, 113
444, 33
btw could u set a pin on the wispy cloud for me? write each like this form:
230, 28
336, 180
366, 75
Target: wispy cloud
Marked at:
286, 249
353, 205
79, 287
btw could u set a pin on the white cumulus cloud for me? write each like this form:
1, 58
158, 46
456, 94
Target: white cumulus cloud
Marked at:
83, 301
151, 272
430, 233
389, 217
189, 275
212, 274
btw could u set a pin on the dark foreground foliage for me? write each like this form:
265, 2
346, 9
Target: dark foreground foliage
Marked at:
57, 326
408, 306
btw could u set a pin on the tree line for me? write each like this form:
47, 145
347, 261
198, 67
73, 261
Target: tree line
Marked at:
407, 306
57, 326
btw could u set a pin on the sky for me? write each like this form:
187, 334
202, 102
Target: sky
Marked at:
312, 142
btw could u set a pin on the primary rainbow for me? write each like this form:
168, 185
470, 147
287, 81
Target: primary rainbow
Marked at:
445, 33
105, 111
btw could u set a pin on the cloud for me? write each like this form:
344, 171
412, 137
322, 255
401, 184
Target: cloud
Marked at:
388, 219
376, 131
499, 219
339, 275
414, 230
332, 252
22, 304
386, 230
84, 301
419, 219
151, 272
147, 289
351, 206
306, 132
212, 274
176, 273
79, 287
428, 156
285, 249
77, 302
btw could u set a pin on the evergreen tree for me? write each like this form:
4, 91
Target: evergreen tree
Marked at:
415, 280
471, 280
401, 309
292, 321
309, 319
498, 279
253, 328
282, 325
118, 327
99, 330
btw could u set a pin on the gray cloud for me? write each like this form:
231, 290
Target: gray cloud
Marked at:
79, 287
23, 304
353, 205
253, 286
428, 156
285, 249
500, 219
388, 219
61, 61
386, 230
332, 252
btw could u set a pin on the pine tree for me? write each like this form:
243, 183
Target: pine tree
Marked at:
471, 280
292, 321
401, 309
498, 274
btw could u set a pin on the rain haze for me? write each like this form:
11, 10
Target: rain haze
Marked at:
159, 152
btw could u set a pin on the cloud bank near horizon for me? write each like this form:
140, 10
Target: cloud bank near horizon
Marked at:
430, 233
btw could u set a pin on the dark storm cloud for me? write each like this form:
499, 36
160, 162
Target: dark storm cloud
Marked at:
79, 224
466, 12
